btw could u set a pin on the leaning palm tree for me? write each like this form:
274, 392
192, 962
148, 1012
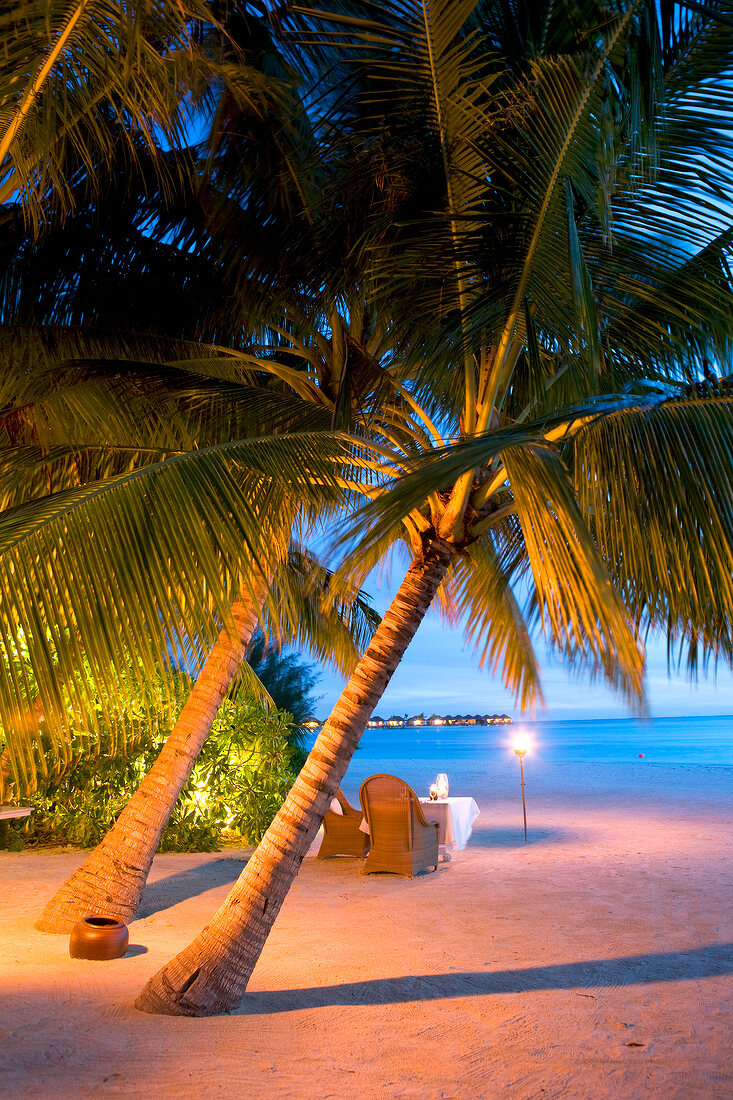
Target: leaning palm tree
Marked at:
114, 876
539, 314
76, 151
76, 436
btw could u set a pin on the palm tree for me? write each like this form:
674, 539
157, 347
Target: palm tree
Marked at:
547, 340
77, 436
539, 312
114, 876
69, 133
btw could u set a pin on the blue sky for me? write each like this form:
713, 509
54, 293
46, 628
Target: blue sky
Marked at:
438, 674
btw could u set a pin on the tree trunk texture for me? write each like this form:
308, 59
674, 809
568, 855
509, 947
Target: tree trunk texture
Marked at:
5, 768
210, 976
111, 881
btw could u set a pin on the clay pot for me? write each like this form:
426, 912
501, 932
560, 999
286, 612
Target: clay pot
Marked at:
98, 938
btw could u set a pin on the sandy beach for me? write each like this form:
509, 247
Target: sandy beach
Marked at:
593, 961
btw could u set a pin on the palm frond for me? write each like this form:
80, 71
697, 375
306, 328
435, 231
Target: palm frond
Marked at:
656, 486
67, 421
306, 611
436, 469
79, 79
484, 598
579, 609
146, 563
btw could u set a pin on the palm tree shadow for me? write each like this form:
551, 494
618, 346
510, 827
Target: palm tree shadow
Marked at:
709, 961
169, 891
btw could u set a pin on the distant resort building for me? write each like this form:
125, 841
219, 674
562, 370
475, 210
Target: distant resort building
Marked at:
401, 722
397, 722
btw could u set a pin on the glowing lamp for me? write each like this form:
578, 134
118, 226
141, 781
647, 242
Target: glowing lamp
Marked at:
521, 744
441, 785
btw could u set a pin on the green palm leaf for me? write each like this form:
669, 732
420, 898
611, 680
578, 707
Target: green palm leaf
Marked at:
656, 484
146, 563
579, 608
71, 74
483, 597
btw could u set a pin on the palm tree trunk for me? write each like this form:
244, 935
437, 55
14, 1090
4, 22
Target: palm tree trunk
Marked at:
111, 881
5, 769
211, 975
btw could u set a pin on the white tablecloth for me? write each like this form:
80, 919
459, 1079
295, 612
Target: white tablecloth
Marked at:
455, 817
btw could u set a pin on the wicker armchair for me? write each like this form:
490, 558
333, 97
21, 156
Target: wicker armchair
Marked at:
403, 842
341, 833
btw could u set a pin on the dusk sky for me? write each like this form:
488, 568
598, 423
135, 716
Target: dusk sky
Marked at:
438, 674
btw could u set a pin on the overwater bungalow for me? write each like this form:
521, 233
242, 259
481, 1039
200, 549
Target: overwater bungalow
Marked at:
396, 722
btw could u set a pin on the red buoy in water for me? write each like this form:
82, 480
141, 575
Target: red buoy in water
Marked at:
641, 755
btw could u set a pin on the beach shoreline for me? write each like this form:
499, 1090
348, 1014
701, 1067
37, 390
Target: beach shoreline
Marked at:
594, 960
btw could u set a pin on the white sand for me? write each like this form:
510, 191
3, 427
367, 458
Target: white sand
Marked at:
593, 962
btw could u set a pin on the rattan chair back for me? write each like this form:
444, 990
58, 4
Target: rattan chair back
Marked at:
402, 841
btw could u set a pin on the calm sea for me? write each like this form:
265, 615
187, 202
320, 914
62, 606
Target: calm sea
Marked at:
690, 740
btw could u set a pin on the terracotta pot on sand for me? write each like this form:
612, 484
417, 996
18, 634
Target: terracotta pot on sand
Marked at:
98, 938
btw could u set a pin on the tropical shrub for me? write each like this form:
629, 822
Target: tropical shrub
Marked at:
240, 780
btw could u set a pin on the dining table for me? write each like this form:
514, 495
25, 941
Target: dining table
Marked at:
455, 817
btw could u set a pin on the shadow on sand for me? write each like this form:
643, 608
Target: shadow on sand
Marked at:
169, 891
482, 837
710, 961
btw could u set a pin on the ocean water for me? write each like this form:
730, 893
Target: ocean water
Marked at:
690, 740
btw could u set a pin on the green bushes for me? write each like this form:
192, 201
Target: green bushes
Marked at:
239, 782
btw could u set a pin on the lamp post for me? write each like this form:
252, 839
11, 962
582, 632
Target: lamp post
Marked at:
520, 747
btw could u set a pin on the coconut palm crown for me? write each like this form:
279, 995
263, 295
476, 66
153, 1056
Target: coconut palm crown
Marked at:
486, 202
545, 326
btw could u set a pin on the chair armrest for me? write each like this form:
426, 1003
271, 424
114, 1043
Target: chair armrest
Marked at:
419, 814
346, 807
